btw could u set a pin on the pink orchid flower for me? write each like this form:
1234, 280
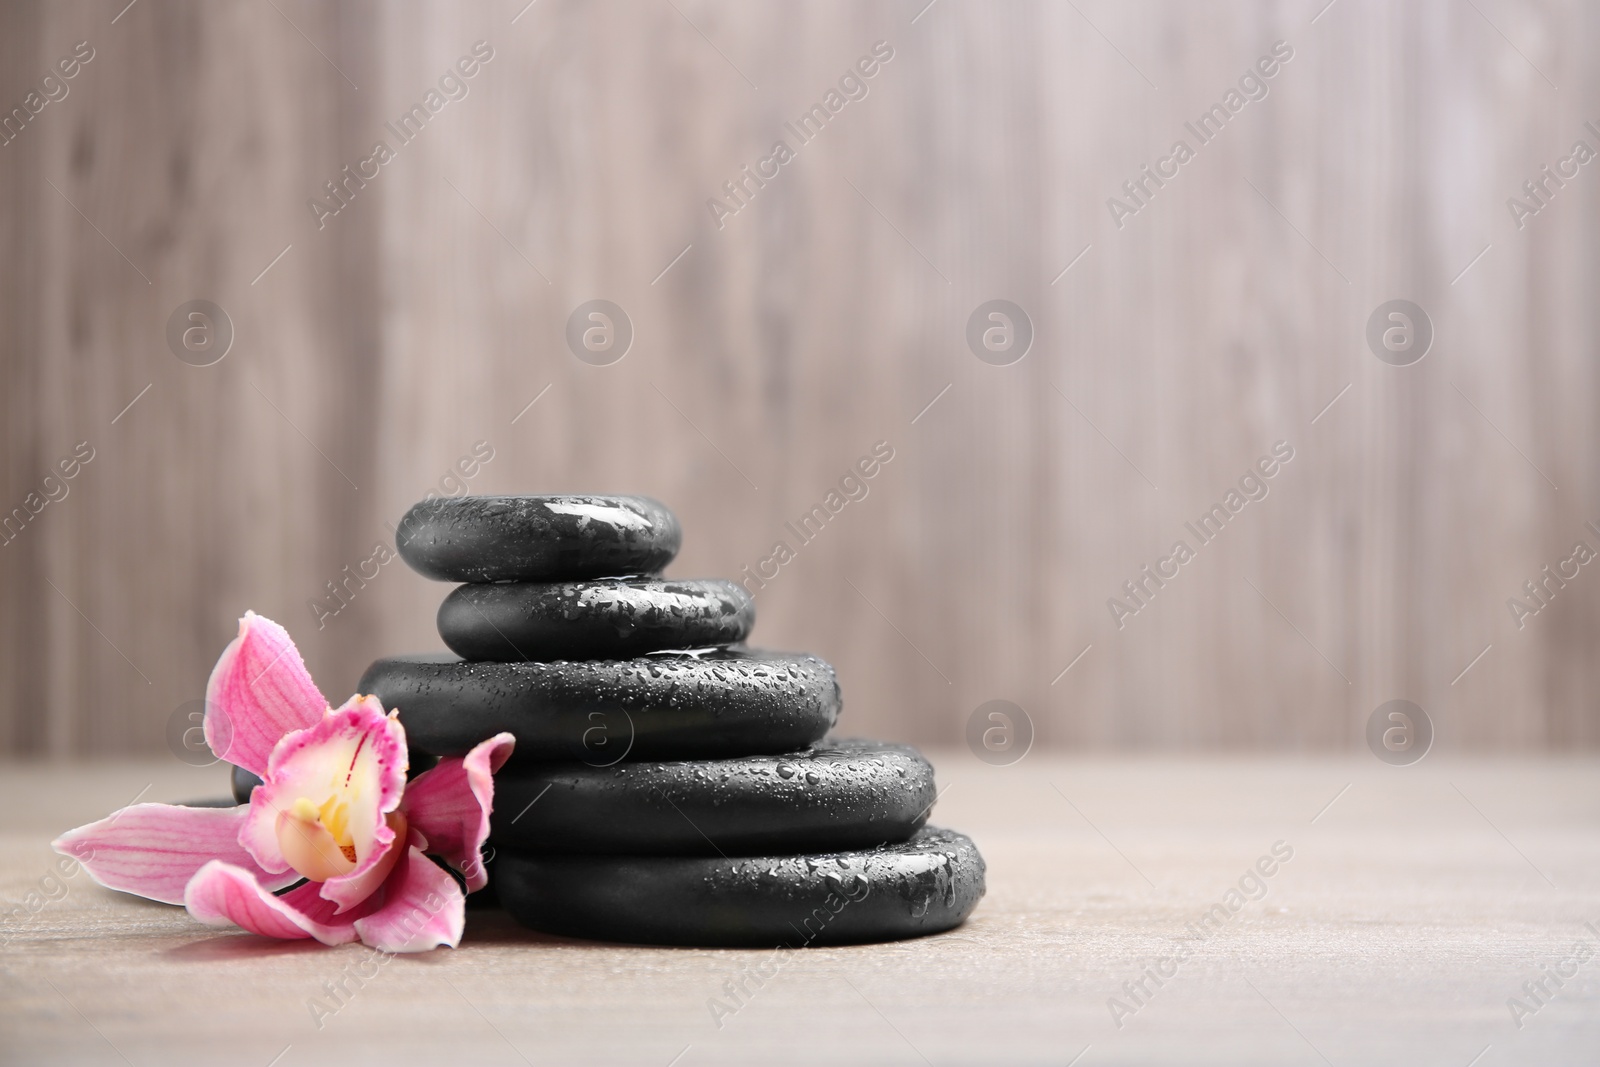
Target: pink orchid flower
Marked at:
334, 808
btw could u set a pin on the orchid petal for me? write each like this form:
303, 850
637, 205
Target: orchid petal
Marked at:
450, 804
154, 849
221, 894
352, 763
308, 846
348, 890
259, 691
422, 908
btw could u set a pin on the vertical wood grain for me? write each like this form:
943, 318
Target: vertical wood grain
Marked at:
818, 320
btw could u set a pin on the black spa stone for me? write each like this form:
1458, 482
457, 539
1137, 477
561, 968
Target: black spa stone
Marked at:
921, 886
837, 795
706, 705
244, 783
610, 618
537, 538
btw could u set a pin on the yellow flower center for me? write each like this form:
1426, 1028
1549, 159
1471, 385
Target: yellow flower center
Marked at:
316, 841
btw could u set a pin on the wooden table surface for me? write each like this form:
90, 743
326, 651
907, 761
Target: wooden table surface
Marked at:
1417, 901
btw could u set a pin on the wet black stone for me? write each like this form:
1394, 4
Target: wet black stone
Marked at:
537, 538
244, 783
836, 795
922, 886
611, 618
710, 705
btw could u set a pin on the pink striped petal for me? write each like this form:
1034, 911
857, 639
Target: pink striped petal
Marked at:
259, 691
221, 894
154, 849
422, 908
450, 805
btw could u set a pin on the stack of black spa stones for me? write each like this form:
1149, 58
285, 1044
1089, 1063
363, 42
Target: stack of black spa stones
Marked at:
669, 785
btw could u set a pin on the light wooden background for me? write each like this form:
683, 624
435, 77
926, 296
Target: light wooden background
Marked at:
824, 317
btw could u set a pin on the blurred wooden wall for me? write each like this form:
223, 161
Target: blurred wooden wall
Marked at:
821, 318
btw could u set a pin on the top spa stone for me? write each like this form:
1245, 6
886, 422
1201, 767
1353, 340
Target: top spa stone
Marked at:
537, 538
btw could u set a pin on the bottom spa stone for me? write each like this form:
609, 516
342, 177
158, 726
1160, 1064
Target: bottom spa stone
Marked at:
923, 886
